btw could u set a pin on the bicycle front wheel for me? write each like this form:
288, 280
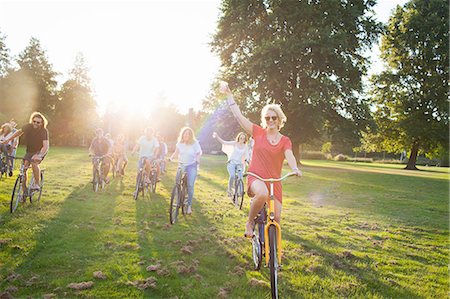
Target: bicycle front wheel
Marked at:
174, 205
240, 193
36, 196
273, 261
138, 186
16, 195
95, 181
153, 181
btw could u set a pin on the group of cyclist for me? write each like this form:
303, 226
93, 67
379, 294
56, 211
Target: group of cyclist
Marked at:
268, 149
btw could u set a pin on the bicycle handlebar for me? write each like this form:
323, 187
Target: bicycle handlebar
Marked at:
100, 157
271, 179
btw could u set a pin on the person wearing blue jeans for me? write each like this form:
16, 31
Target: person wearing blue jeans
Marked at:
238, 153
188, 151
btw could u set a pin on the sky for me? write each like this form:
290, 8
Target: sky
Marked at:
139, 53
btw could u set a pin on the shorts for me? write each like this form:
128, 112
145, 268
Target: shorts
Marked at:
28, 157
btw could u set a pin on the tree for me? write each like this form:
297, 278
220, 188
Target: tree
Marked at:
412, 93
305, 55
4, 69
75, 112
38, 72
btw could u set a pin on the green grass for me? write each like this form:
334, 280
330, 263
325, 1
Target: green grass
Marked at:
349, 230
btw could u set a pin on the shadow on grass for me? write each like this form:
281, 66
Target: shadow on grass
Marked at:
192, 256
70, 246
368, 280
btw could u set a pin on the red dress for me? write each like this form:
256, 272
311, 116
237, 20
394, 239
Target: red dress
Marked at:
267, 159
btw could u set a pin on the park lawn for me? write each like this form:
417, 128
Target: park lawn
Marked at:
354, 230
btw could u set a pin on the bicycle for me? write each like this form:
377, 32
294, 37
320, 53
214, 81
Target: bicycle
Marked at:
266, 228
3, 165
18, 196
97, 176
238, 187
153, 176
178, 198
142, 181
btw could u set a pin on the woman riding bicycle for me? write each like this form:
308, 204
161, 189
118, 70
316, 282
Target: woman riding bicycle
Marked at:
237, 152
188, 151
269, 151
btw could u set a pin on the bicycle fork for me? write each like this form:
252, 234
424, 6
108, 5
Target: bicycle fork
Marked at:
271, 221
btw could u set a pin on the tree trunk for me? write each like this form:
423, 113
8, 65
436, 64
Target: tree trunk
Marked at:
296, 150
413, 157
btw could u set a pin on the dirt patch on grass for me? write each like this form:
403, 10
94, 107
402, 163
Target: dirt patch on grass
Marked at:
81, 285
186, 250
99, 275
257, 283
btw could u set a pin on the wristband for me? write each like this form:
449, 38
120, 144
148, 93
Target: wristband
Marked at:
234, 103
295, 169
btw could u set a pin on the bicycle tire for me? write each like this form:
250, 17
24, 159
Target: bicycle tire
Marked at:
174, 205
273, 261
153, 181
41, 187
15, 196
182, 198
32, 194
95, 181
241, 194
257, 247
138, 185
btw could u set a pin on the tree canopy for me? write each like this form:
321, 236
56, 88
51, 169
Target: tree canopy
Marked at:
305, 55
411, 95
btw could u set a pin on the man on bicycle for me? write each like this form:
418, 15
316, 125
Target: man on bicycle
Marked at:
101, 147
148, 147
36, 137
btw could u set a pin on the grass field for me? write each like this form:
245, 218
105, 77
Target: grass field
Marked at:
349, 230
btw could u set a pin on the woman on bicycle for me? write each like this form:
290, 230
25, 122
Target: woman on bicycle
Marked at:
269, 151
188, 151
237, 152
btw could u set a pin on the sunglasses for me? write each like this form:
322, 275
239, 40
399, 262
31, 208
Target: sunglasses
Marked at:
274, 118
37, 122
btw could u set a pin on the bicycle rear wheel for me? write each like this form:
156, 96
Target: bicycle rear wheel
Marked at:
174, 205
273, 261
257, 246
16, 195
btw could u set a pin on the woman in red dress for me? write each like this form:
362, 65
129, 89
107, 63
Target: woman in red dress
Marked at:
269, 151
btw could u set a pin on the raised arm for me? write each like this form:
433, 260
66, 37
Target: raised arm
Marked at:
18, 133
216, 136
242, 120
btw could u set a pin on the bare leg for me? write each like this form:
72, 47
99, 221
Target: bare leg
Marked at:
261, 195
36, 173
25, 175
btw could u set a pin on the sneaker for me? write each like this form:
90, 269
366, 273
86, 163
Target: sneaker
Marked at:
22, 198
189, 210
10, 173
35, 187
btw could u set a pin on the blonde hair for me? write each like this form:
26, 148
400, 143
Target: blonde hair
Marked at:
38, 115
239, 136
191, 139
277, 109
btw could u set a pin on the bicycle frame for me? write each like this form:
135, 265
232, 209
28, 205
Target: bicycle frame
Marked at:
270, 219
